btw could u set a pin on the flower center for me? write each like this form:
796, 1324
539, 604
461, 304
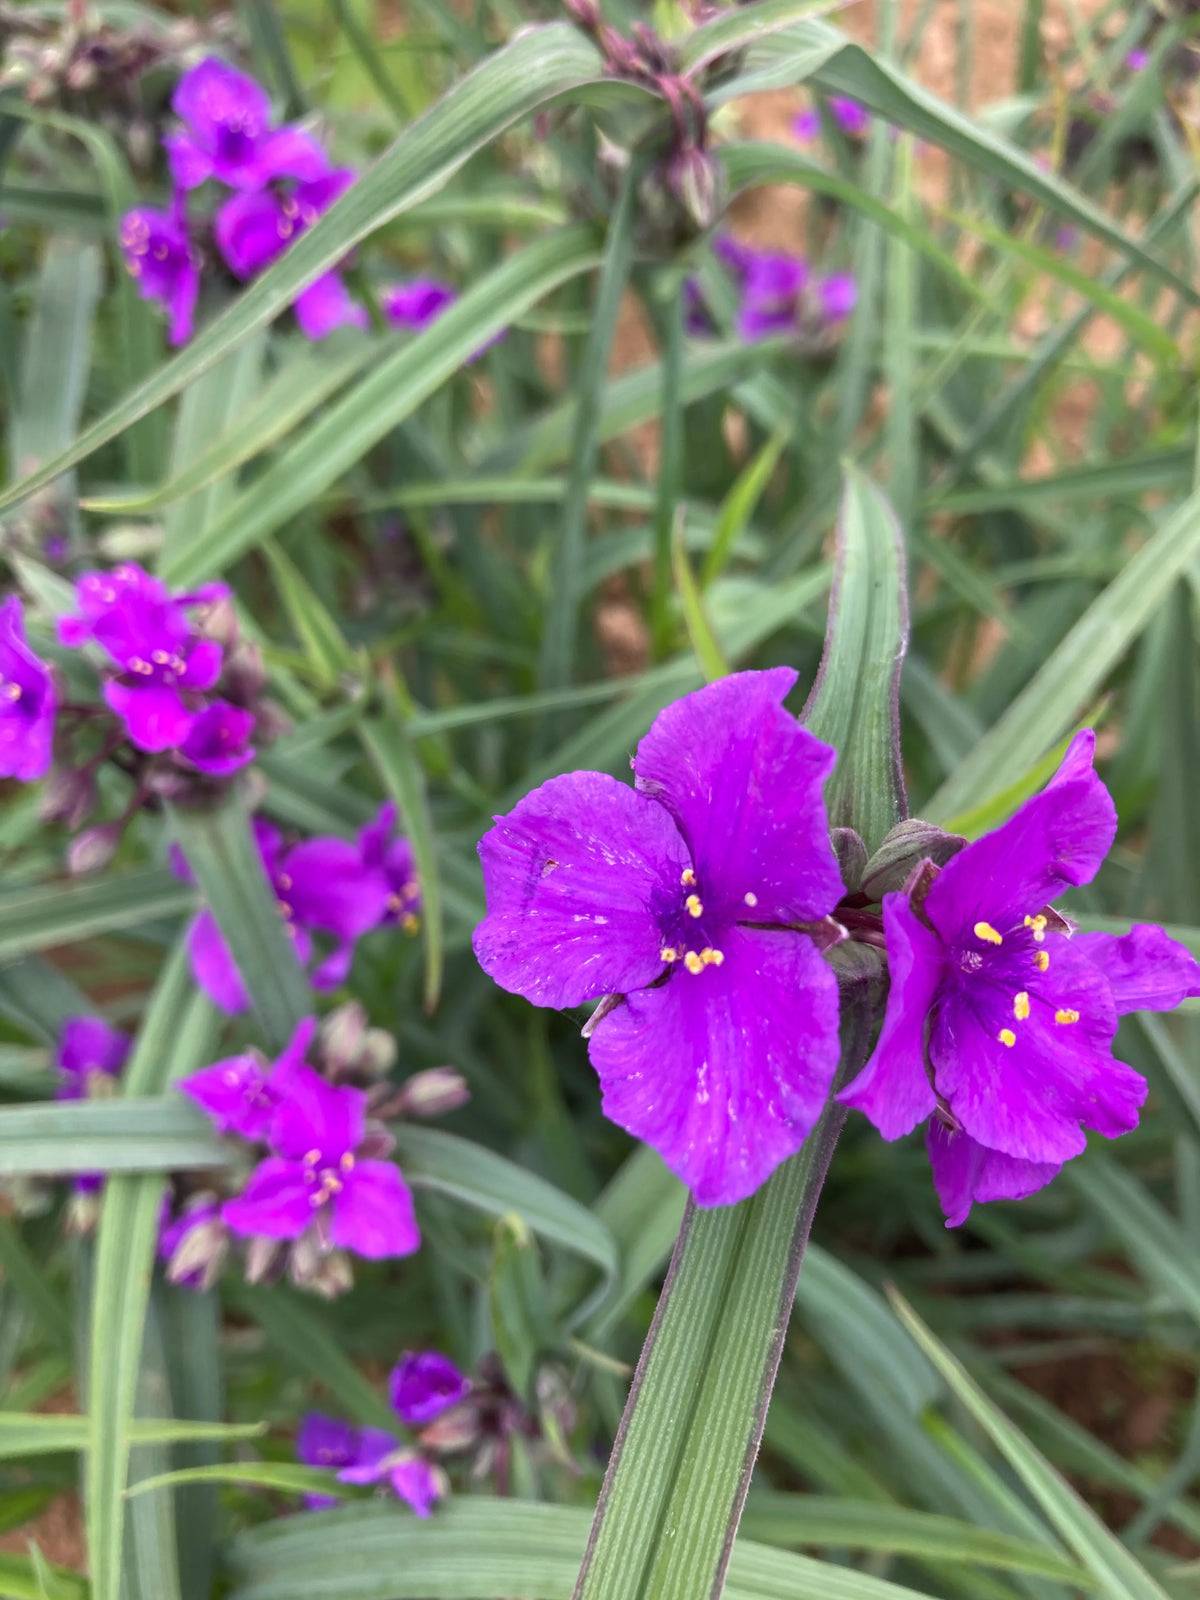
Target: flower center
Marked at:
688, 943
1009, 959
324, 1179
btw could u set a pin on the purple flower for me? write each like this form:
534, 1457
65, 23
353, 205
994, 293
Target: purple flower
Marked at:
88, 1049
423, 1384
390, 854
683, 895
999, 1024
318, 1177
838, 295
252, 230
806, 125
150, 638
160, 258
1137, 60
417, 304
382, 1460
219, 742
27, 701
239, 1095
227, 133
326, 1442
852, 118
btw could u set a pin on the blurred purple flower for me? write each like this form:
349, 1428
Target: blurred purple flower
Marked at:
682, 895
381, 1459
151, 639
418, 303
423, 1384
1137, 60
239, 1095
88, 1048
27, 701
163, 263
252, 230
838, 295
227, 133
326, 1442
219, 742
999, 1024
852, 118
806, 125
391, 855
319, 1178
779, 293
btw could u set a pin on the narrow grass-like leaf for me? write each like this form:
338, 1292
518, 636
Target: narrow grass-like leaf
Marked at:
221, 852
324, 646
1117, 1573
42, 916
160, 1133
24, 1578
541, 65
1157, 1246
32, 1433
700, 631
25, 1277
1076, 668
284, 1476
739, 506
393, 755
732, 31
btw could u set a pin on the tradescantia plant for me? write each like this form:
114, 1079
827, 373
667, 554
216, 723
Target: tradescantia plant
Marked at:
412, 1129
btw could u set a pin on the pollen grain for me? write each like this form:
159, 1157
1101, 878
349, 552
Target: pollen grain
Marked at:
1065, 1016
1007, 1037
985, 931
1021, 1006
694, 908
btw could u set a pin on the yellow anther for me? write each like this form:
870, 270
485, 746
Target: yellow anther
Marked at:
1021, 1006
1007, 1036
1041, 959
985, 931
687, 877
751, 898
1066, 1015
1038, 925
410, 923
311, 1157
711, 957
394, 903
12, 691
347, 1162
693, 962
695, 909
668, 953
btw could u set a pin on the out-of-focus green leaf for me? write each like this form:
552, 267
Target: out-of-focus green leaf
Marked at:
45, 915
161, 1133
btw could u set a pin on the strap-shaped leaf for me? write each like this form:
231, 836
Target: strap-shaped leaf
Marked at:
159, 1133
44, 915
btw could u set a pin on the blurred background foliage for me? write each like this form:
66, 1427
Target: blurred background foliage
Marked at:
501, 569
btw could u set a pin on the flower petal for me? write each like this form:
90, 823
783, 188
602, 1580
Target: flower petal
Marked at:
1146, 970
418, 1482
274, 1203
314, 1115
330, 887
965, 1171
743, 780
155, 719
326, 1441
893, 1089
725, 1071
423, 1384
290, 153
1028, 1098
213, 965
190, 165
573, 875
373, 1215
234, 1094
1055, 840
327, 304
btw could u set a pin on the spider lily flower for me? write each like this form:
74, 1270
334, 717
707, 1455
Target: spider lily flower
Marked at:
239, 1095
161, 656
689, 904
254, 229
1000, 1021
162, 261
423, 1384
326, 1442
323, 1175
27, 701
227, 132
219, 741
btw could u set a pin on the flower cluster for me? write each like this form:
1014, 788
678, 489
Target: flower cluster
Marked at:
697, 905
422, 1386
321, 1188
326, 886
282, 180
777, 294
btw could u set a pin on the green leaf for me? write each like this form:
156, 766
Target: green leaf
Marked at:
490, 1183
284, 1476
42, 916
541, 65
643, 1209
175, 1038
162, 1133
704, 641
325, 648
57, 353
33, 1433
522, 1327
221, 851
1114, 1570
740, 504
731, 31
853, 705
396, 386
24, 1578
1073, 673
1156, 1244
392, 753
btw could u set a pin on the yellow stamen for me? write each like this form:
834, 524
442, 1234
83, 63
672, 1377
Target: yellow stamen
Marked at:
1007, 1036
1066, 1016
347, 1162
1038, 925
711, 957
1041, 960
751, 899
985, 931
695, 909
693, 962
410, 924
1021, 1006
668, 953
687, 877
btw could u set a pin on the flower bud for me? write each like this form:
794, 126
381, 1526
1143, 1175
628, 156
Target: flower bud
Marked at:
851, 855
433, 1093
459, 1428
130, 541
262, 1257
903, 847
324, 1272
340, 1038
200, 1242
69, 796
695, 179
93, 849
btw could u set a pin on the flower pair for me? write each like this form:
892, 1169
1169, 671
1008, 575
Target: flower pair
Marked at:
325, 885
777, 293
695, 906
